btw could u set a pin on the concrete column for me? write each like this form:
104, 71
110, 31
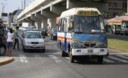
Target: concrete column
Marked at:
52, 22
37, 21
38, 24
30, 21
42, 21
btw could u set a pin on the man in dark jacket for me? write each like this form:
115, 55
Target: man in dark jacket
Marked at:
2, 40
16, 41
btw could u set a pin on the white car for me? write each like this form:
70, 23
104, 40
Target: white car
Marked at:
33, 40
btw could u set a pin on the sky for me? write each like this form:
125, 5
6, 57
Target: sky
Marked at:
12, 5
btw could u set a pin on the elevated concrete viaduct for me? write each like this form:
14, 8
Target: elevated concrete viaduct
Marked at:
43, 13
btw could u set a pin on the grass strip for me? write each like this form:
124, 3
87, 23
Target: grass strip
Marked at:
121, 45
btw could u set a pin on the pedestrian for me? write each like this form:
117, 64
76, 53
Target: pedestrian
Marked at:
16, 41
10, 40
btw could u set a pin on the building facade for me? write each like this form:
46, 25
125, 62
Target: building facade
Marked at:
116, 7
13, 17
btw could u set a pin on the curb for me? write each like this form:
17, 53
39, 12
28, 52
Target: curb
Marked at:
6, 60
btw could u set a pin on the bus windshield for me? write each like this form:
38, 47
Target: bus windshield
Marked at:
88, 24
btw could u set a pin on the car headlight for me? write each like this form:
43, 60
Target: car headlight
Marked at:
101, 45
27, 42
41, 42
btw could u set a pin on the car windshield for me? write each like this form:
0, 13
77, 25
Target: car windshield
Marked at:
33, 35
88, 24
54, 30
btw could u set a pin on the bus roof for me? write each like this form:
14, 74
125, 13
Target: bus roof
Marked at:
74, 11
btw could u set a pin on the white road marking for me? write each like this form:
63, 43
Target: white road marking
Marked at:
52, 53
108, 61
118, 59
26, 61
118, 53
23, 59
67, 58
122, 56
56, 59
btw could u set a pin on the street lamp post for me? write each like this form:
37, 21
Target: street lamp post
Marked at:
3, 4
24, 3
3, 7
127, 6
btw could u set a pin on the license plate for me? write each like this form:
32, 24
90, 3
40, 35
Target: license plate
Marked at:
90, 50
34, 46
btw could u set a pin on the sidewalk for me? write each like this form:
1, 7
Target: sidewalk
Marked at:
5, 60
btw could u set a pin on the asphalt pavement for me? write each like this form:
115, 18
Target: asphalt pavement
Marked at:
34, 64
5, 60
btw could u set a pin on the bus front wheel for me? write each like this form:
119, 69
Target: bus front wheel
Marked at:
72, 58
64, 54
100, 59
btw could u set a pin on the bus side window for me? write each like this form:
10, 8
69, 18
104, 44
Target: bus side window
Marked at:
70, 28
65, 24
61, 25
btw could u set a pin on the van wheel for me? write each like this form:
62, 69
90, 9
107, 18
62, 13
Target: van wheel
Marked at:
100, 59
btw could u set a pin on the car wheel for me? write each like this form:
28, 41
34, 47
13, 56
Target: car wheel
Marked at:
43, 50
2, 51
24, 50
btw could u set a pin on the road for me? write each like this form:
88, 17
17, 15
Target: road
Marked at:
51, 65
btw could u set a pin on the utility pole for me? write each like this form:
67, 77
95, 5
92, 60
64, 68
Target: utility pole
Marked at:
2, 7
24, 3
127, 6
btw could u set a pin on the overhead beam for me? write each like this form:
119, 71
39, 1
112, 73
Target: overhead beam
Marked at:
48, 14
57, 9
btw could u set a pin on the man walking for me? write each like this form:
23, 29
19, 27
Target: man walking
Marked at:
16, 41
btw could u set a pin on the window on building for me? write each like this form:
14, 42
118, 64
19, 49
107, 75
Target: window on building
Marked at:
124, 5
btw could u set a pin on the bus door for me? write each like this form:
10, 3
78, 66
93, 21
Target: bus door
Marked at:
62, 34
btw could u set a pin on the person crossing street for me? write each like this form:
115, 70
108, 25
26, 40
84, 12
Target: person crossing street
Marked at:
16, 41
